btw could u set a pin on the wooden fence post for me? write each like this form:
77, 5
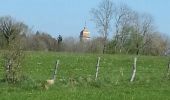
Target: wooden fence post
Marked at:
55, 70
168, 70
51, 81
133, 70
97, 68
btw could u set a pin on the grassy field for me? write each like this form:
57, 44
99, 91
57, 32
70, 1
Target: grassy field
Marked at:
76, 73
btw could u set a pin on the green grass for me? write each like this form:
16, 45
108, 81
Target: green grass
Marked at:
76, 73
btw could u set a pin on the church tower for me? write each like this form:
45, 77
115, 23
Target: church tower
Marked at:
84, 35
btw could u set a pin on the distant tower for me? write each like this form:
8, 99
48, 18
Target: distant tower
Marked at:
84, 34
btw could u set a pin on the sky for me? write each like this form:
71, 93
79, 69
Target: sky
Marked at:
68, 17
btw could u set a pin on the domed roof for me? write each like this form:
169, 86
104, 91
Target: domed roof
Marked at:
85, 33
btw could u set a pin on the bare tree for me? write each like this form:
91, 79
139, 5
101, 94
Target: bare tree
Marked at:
13, 55
147, 29
158, 44
122, 20
143, 26
11, 28
133, 30
102, 16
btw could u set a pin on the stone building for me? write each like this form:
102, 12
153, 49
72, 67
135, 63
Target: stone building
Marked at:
84, 35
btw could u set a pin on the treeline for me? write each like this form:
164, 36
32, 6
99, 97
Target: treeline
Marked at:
12, 31
133, 33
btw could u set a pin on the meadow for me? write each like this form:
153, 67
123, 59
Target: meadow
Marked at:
76, 74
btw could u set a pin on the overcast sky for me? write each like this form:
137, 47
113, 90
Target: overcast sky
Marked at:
67, 17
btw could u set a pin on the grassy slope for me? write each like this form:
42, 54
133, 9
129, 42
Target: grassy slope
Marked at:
76, 73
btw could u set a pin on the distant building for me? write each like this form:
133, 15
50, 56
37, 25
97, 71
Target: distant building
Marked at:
84, 35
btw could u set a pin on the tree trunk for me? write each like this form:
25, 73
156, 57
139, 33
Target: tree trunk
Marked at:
104, 44
104, 48
168, 70
137, 47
